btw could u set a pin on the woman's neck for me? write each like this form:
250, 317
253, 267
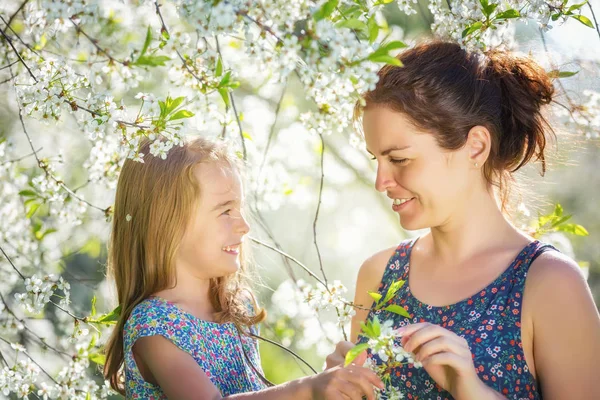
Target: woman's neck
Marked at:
477, 225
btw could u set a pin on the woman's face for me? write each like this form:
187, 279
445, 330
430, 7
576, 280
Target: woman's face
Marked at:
428, 186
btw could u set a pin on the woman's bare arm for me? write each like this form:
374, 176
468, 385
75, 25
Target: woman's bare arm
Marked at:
566, 329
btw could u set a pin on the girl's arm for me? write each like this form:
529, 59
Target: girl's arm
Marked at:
180, 377
566, 328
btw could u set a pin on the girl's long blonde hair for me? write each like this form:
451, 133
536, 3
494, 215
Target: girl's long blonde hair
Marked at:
154, 202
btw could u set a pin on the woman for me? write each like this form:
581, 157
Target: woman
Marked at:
495, 313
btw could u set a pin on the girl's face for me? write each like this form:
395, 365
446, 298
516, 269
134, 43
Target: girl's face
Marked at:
427, 185
211, 243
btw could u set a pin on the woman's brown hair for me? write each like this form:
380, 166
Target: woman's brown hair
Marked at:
447, 90
154, 201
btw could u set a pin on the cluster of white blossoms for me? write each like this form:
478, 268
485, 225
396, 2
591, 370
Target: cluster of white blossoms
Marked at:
39, 291
328, 298
20, 379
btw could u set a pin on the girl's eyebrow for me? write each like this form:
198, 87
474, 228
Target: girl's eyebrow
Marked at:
223, 204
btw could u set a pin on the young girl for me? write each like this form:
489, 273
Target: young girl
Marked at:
495, 313
187, 314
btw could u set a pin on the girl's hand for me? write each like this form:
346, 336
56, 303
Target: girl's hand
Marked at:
339, 355
351, 382
447, 358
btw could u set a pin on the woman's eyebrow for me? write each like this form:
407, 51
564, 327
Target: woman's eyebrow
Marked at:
387, 151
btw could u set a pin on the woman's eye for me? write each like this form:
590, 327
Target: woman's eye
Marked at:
398, 160
226, 212
373, 158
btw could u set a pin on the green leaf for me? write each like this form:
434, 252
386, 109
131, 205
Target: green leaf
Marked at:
560, 221
163, 109
508, 14
352, 24
146, 42
34, 207
470, 29
375, 296
219, 69
93, 306
583, 19
373, 29
561, 74
326, 10
225, 95
367, 329
354, 352
394, 287
555, 16
28, 193
110, 318
226, 78
97, 358
181, 114
174, 103
376, 327
558, 210
246, 135
39, 235
396, 309
574, 229
576, 7
386, 59
152, 61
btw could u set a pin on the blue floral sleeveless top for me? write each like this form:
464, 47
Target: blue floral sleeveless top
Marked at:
217, 348
490, 321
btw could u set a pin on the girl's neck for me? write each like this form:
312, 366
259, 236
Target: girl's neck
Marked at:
192, 295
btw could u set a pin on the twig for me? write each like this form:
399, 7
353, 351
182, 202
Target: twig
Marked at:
237, 117
285, 349
95, 43
16, 12
318, 209
11, 263
562, 87
32, 360
42, 341
20, 158
594, 17
304, 267
17, 53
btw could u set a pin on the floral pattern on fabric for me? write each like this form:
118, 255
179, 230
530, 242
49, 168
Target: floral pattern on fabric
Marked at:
490, 321
217, 348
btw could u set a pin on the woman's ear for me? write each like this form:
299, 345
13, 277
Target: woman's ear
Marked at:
479, 143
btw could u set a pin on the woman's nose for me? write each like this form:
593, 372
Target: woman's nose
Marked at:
385, 179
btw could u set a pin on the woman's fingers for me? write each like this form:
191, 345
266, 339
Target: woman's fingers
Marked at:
445, 358
441, 344
414, 337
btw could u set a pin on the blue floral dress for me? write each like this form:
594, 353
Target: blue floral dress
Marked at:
490, 321
217, 348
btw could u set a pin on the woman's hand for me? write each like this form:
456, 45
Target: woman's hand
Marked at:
447, 359
351, 382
